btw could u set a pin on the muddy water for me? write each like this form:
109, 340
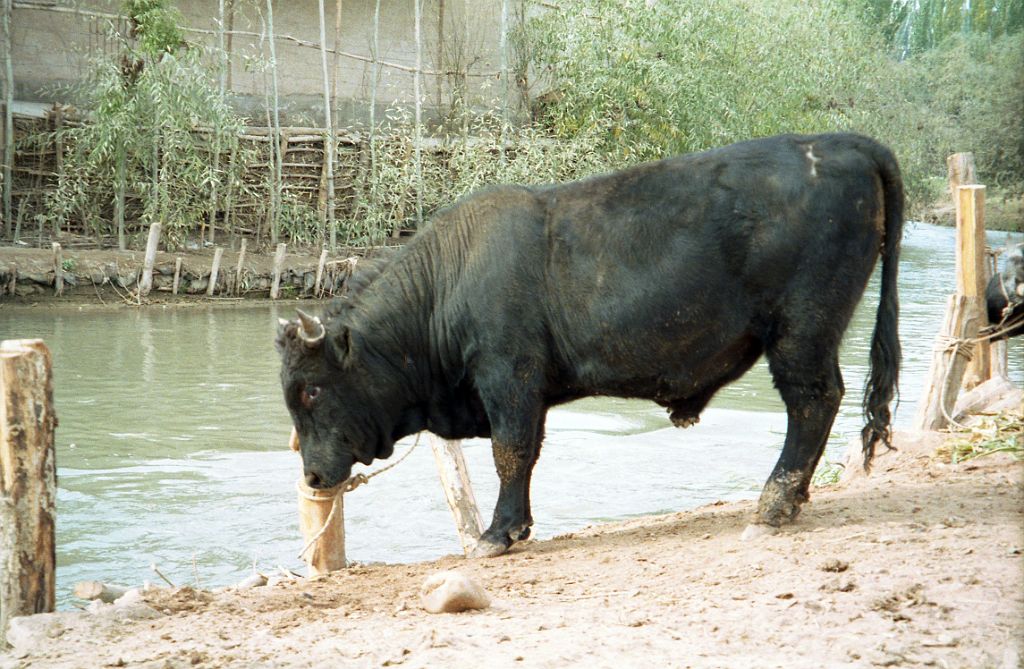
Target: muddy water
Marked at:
172, 443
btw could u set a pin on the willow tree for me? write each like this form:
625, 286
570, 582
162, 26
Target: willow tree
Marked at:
142, 108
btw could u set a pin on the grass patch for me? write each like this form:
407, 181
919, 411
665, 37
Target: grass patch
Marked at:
1001, 433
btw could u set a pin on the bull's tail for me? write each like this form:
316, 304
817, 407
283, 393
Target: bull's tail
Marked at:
883, 376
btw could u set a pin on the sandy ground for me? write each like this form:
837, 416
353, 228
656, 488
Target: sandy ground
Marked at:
917, 565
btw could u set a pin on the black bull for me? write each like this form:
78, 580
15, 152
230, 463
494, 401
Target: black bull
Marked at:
1004, 296
664, 281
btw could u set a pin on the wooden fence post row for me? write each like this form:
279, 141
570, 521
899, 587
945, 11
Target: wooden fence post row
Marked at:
28, 481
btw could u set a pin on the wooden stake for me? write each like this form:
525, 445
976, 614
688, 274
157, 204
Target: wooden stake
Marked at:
177, 276
949, 363
329, 140
8, 139
28, 481
451, 467
214, 270
119, 192
971, 267
238, 270
58, 270
320, 272
146, 281
960, 170
328, 553
278, 157
278, 267
417, 137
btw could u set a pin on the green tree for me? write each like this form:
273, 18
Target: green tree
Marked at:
142, 112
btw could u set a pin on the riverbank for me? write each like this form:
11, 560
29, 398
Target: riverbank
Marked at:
1002, 213
28, 275
917, 564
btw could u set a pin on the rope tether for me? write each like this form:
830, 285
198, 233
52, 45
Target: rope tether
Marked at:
335, 493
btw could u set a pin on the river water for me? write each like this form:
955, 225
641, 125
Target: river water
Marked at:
172, 445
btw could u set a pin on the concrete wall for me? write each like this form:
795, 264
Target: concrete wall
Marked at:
51, 48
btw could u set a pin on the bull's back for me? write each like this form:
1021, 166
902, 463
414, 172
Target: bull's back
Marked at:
659, 270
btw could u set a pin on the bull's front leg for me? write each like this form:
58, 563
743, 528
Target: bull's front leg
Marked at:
515, 443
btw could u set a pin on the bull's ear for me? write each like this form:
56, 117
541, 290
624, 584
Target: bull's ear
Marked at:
285, 329
339, 346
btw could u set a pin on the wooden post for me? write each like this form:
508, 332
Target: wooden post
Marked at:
998, 363
146, 280
28, 481
960, 171
451, 467
119, 193
278, 267
320, 272
238, 269
177, 276
315, 507
948, 364
417, 137
275, 196
58, 270
971, 269
6, 9
214, 269
329, 140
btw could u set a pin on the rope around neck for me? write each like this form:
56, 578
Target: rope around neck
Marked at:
334, 494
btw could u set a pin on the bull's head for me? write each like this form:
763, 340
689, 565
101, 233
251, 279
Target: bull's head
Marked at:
337, 404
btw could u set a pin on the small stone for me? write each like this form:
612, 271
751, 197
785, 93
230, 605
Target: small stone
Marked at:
452, 592
835, 565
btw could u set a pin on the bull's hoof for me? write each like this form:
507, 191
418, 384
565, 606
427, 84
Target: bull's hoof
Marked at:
684, 420
485, 548
756, 531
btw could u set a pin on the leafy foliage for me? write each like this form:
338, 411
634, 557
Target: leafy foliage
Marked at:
140, 136
672, 77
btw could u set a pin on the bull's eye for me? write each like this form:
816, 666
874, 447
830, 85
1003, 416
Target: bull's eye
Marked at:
309, 395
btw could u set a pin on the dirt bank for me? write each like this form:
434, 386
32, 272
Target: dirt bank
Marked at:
917, 565
28, 275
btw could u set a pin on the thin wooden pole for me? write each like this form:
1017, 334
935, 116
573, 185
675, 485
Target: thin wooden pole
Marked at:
28, 481
320, 272
238, 270
177, 276
329, 141
119, 192
373, 99
215, 168
146, 280
334, 64
451, 467
503, 48
8, 116
276, 195
417, 93
212, 287
229, 34
971, 267
278, 268
58, 270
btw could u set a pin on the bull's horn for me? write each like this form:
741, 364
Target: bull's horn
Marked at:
1020, 289
311, 329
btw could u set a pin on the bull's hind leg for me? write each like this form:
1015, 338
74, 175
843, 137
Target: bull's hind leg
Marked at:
811, 385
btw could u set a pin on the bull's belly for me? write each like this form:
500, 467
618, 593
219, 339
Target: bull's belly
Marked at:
663, 370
